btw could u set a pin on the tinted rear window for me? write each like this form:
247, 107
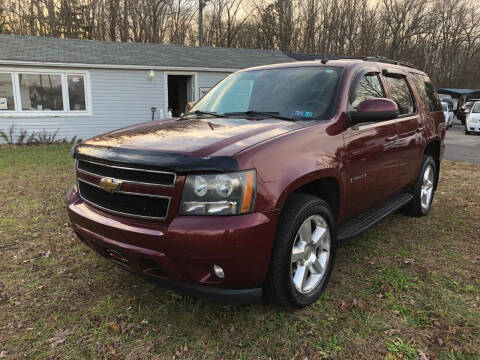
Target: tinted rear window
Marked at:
427, 92
401, 94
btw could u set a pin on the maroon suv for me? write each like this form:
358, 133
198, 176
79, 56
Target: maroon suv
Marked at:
251, 191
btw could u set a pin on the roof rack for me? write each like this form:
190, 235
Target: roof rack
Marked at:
382, 59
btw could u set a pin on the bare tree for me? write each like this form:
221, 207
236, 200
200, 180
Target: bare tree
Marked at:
441, 37
285, 25
3, 20
180, 20
224, 20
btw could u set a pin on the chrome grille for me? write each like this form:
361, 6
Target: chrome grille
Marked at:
137, 175
125, 203
142, 204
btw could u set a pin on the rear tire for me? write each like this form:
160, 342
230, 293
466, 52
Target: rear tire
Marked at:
303, 253
423, 190
467, 132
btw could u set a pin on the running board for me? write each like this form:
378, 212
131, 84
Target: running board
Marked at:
369, 218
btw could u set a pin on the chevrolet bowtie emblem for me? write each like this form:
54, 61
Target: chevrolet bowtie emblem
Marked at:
109, 184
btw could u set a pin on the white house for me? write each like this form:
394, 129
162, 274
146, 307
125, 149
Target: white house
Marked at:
84, 87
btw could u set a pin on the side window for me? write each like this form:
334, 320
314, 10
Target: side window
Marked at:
476, 108
427, 92
368, 87
432, 95
401, 94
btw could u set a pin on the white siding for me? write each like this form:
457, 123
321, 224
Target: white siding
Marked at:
119, 98
209, 79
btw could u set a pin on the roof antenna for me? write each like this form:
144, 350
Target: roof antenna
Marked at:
324, 60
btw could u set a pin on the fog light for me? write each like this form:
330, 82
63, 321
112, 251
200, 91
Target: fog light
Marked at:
218, 271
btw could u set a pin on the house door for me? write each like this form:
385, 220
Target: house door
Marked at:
180, 92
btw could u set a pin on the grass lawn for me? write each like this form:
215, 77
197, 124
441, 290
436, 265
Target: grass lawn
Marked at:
408, 288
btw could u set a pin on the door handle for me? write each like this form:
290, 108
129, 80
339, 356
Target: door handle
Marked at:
392, 138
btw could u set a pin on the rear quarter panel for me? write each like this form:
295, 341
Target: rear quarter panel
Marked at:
433, 123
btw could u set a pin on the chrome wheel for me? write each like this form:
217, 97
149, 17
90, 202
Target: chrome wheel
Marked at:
310, 254
426, 190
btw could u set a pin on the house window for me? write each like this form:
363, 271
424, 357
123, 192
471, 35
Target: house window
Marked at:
7, 101
76, 92
43, 92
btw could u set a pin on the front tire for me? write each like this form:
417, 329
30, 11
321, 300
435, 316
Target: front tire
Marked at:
303, 253
424, 189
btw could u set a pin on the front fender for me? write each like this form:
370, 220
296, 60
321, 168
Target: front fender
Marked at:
297, 183
287, 163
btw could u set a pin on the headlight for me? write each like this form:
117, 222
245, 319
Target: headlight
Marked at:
219, 194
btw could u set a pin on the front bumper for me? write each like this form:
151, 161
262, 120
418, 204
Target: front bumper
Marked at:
181, 254
472, 126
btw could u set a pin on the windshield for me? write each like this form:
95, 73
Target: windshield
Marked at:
301, 93
444, 106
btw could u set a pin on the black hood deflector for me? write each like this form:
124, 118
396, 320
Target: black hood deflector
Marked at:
178, 163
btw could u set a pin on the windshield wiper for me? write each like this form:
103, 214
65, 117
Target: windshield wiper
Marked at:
273, 114
199, 112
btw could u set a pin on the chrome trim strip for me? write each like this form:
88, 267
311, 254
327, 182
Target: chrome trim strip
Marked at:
386, 122
125, 181
75, 169
132, 169
129, 193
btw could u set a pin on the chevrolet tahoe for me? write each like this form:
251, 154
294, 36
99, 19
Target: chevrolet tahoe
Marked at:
248, 194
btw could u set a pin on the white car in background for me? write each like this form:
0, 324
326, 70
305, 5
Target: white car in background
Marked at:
472, 122
448, 114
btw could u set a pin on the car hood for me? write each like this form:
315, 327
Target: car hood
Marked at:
198, 137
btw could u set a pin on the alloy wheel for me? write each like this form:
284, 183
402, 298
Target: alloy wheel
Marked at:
310, 254
426, 190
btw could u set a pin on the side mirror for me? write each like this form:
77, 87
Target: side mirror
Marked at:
190, 105
373, 110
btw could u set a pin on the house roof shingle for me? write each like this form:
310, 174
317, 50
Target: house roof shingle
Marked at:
22, 48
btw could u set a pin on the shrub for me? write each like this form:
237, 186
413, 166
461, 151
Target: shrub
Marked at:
34, 138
